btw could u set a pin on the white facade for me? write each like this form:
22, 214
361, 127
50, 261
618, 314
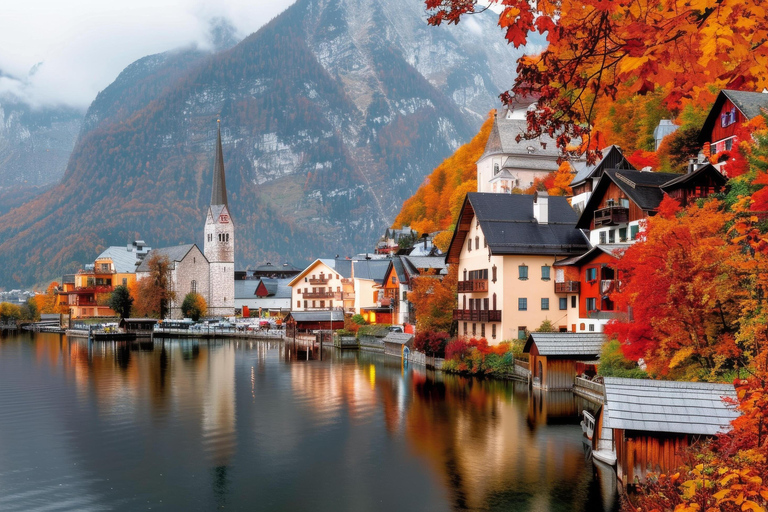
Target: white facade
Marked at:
220, 251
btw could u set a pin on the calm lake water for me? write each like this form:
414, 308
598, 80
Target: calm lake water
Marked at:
241, 425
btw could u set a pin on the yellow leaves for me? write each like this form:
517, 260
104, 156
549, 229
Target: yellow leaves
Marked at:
751, 505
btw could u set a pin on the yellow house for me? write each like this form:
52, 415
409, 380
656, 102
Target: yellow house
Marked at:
504, 246
87, 296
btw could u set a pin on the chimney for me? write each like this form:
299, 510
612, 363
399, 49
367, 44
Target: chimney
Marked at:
541, 207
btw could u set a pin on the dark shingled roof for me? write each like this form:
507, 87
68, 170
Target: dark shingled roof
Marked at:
372, 269
642, 188
615, 250
685, 178
509, 226
613, 158
174, 254
667, 406
581, 345
536, 163
219, 190
748, 102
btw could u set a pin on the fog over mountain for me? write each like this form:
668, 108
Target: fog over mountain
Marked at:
332, 114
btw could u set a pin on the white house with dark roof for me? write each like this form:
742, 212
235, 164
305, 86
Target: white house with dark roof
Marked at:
507, 163
504, 247
272, 296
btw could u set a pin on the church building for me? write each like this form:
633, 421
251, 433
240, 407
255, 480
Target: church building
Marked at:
211, 272
219, 245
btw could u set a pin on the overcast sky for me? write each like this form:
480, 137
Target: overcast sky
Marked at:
84, 44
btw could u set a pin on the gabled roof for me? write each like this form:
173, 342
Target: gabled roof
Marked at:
614, 250
396, 266
374, 270
174, 255
277, 288
748, 102
124, 258
330, 263
335, 315
509, 227
684, 179
400, 338
613, 158
667, 406
502, 140
642, 188
584, 345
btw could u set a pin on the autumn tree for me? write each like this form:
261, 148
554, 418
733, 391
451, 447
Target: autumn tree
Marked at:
46, 302
120, 301
9, 312
152, 294
434, 300
683, 294
194, 306
600, 52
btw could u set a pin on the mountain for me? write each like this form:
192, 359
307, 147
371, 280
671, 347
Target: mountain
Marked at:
331, 115
35, 144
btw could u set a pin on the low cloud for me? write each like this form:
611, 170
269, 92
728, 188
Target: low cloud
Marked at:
64, 53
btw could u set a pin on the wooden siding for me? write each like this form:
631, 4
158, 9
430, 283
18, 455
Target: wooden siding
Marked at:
614, 192
703, 186
591, 289
639, 453
720, 132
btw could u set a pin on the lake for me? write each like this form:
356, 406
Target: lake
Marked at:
257, 425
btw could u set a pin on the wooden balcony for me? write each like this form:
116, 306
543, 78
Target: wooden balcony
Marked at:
473, 285
567, 287
477, 315
319, 280
318, 295
100, 288
611, 216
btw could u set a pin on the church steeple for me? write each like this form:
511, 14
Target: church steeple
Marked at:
219, 190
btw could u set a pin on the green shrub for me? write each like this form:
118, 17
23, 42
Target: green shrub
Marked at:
614, 364
358, 319
377, 330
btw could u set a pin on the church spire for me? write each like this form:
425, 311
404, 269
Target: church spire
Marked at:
219, 191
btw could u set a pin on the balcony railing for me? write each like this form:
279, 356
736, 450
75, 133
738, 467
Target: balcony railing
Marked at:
567, 287
473, 285
477, 315
603, 315
94, 289
319, 280
611, 215
318, 295
343, 295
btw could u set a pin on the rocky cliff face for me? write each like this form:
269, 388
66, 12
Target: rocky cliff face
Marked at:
331, 115
34, 143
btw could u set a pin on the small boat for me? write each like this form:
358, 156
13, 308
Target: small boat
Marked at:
588, 424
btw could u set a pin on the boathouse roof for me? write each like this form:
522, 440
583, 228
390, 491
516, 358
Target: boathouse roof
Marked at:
668, 406
399, 338
334, 315
578, 344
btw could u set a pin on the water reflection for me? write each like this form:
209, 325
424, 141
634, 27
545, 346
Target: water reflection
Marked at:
273, 426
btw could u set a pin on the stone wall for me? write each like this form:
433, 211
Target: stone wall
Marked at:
194, 267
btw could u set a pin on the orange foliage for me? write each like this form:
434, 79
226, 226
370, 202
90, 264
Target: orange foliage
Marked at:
435, 205
433, 300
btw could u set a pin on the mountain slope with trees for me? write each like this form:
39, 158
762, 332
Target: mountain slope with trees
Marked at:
331, 114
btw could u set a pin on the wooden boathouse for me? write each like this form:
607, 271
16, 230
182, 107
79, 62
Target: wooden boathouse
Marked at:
557, 358
648, 423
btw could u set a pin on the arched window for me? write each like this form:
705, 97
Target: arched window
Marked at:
477, 242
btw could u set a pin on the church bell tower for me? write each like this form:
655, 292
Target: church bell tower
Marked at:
219, 246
